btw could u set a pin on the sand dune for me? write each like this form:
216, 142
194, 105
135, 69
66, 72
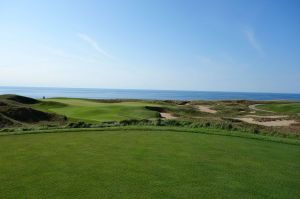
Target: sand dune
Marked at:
167, 116
251, 120
206, 109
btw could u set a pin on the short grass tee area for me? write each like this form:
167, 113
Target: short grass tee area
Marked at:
146, 164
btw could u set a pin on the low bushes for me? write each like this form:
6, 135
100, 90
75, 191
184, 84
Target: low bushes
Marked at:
79, 125
156, 122
224, 125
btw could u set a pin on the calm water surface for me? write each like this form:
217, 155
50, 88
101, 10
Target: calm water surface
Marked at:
39, 92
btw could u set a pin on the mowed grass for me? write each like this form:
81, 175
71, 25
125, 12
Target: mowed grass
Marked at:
93, 111
146, 164
290, 108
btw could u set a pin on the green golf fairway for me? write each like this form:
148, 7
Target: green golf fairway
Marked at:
93, 111
282, 108
146, 164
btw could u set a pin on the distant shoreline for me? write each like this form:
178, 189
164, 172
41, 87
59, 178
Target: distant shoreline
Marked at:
99, 93
138, 89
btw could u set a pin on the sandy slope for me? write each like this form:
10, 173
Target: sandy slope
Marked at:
206, 109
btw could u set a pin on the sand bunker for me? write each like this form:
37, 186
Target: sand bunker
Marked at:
206, 109
167, 116
251, 120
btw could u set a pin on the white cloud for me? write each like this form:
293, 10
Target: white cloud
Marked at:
250, 36
93, 44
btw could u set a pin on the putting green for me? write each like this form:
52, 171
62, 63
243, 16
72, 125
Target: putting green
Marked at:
146, 164
93, 111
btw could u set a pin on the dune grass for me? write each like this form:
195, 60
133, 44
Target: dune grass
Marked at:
93, 111
146, 164
288, 108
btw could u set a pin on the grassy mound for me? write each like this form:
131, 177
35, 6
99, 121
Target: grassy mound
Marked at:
146, 164
19, 99
26, 114
4, 121
17, 111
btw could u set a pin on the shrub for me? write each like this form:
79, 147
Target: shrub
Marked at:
79, 125
255, 130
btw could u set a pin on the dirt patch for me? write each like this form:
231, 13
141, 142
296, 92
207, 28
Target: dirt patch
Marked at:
277, 122
206, 109
167, 116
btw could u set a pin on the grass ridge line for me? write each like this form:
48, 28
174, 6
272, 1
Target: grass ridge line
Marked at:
207, 131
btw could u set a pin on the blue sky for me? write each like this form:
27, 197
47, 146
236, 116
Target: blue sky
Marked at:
152, 44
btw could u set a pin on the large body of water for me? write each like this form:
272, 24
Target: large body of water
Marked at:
39, 92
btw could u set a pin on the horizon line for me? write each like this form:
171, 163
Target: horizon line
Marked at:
263, 92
